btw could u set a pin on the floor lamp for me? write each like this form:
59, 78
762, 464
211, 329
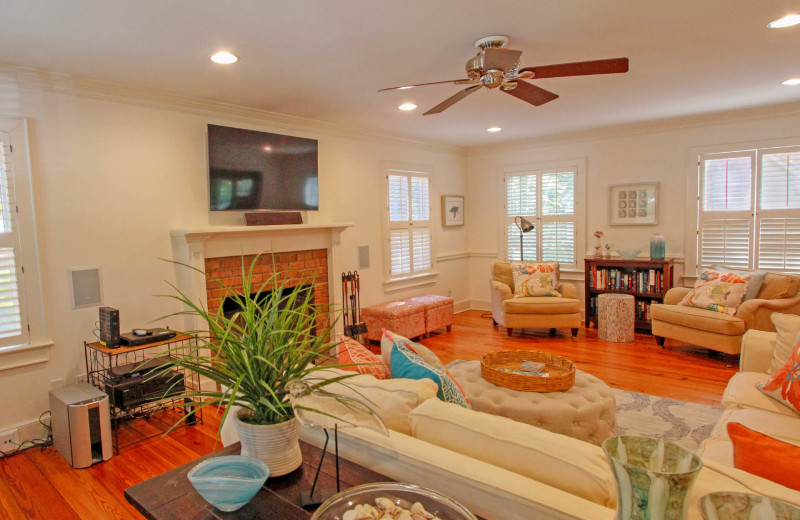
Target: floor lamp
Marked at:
524, 226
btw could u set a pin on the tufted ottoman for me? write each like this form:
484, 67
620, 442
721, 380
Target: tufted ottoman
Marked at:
438, 311
401, 317
587, 411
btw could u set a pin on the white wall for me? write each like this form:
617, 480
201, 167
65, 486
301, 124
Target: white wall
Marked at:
641, 154
112, 179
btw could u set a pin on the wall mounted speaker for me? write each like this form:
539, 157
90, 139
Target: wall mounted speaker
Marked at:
363, 257
85, 287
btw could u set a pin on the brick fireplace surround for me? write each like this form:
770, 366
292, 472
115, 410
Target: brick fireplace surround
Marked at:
300, 249
293, 267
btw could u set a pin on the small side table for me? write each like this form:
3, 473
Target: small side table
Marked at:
615, 317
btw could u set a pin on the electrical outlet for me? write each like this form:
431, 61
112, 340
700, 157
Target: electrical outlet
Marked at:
9, 441
81, 378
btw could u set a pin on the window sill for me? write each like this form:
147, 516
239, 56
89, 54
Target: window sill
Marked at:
25, 355
398, 284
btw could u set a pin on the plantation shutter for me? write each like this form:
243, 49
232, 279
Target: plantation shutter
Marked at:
410, 251
12, 315
547, 199
725, 231
778, 216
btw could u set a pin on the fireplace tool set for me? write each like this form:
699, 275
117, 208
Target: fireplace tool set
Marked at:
351, 306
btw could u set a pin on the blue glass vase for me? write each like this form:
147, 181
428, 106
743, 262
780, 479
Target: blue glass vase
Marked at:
658, 247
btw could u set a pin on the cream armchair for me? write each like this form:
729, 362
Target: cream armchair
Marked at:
720, 331
532, 311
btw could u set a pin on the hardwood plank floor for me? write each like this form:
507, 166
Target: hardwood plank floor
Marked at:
40, 484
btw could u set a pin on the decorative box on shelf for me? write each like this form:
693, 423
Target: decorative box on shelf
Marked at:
647, 280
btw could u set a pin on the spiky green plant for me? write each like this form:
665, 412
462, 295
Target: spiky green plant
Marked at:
258, 350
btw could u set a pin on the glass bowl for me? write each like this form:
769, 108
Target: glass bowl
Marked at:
628, 254
230, 481
403, 495
743, 506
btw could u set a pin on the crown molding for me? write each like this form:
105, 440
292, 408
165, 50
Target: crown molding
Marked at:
38, 79
647, 127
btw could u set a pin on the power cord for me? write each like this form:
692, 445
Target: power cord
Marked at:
45, 441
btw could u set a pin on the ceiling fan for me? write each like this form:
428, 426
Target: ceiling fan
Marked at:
494, 66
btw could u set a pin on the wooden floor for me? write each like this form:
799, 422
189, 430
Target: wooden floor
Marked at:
39, 484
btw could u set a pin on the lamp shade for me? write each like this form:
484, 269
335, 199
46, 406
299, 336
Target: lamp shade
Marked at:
524, 224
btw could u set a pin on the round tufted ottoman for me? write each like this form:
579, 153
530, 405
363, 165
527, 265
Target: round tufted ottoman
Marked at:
587, 411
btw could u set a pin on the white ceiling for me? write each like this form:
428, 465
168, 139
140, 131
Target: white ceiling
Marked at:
326, 59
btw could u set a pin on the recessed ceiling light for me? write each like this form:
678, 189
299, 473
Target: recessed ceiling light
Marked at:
224, 58
792, 82
494, 129
786, 21
407, 106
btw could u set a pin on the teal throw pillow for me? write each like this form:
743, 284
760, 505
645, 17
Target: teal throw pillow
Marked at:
406, 363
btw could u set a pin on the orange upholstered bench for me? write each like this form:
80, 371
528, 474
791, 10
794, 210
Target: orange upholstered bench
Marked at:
411, 317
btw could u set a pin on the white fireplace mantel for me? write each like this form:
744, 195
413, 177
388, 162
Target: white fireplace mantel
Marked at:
193, 245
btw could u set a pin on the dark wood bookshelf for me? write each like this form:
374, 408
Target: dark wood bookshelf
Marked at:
645, 279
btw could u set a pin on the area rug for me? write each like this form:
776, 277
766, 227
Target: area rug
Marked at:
685, 424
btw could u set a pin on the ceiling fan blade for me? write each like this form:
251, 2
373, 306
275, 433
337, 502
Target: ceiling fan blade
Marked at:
453, 81
531, 93
579, 68
452, 100
500, 59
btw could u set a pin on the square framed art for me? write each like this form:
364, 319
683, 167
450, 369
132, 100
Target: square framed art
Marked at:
633, 204
452, 210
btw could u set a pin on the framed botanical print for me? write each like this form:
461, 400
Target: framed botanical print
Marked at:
452, 210
633, 204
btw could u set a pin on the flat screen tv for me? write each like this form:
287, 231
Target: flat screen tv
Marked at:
250, 170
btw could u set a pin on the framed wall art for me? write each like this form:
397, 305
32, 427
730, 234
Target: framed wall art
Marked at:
633, 204
452, 210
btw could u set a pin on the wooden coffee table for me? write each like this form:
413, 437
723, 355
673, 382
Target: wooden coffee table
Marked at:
170, 496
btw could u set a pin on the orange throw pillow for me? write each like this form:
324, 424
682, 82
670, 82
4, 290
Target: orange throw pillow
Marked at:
784, 384
765, 456
353, 352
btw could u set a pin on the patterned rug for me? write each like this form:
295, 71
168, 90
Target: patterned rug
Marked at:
686, 424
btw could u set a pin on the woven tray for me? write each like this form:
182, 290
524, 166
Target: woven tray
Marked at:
561, 370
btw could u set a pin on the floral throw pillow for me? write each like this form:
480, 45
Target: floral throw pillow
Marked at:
351, 352
534, 279
720, 291
784, 385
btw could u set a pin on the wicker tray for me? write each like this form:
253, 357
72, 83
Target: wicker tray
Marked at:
561, 370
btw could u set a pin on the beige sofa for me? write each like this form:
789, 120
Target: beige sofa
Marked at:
745, 404
532, 311
720, 331
498, 468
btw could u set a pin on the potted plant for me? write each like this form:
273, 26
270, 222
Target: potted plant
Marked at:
252, 355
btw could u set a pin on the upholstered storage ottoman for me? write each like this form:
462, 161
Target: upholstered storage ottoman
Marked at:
438, 311
587, 411
401, 317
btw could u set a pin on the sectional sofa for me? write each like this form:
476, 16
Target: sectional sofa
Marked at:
499, 468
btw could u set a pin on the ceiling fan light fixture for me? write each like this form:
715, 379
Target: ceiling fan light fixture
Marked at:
407, 106
791, 82
786, 21
493, 129
224, 58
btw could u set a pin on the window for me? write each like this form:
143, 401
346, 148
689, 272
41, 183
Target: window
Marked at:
749, 209
21, 317
409, 224
547, 198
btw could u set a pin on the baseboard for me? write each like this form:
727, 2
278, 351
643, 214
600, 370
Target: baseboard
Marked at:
480, 305
29, 431
462, 305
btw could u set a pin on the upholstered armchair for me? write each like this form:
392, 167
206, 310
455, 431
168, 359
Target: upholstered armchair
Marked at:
546, 312
718, 330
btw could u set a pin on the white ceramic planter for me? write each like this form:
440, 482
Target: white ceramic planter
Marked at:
277, 445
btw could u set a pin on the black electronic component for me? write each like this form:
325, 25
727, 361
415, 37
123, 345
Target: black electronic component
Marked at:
109, 327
